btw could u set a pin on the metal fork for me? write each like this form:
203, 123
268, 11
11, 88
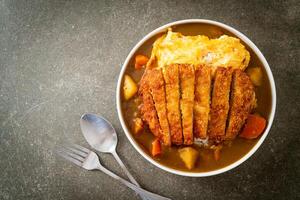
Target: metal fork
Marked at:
89, 160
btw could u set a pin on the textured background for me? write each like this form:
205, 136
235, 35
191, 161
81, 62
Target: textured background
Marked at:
59, 59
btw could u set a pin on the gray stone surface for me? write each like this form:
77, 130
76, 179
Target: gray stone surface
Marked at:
59, 59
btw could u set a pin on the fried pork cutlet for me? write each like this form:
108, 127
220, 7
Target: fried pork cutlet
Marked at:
147, 108
242, 101
171, 76
202, 101
157, 88
219, 104
187, 86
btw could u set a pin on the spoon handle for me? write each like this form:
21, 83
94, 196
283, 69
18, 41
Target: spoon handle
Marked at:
131, 178
124, 168
137, 189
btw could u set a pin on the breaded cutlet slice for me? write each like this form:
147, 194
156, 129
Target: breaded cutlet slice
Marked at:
157, 89
202, 100
171, 76
147, 108
242, 101
219, 104
187, 86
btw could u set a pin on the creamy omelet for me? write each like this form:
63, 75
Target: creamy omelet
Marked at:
174, 47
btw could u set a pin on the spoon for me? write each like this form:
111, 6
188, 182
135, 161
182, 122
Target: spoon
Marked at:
101, 135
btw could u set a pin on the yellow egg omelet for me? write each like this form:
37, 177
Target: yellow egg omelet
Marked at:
173, 47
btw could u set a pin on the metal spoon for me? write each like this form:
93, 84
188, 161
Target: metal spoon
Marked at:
101, 135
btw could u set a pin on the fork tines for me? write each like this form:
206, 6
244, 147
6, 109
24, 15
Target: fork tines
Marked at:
73, 152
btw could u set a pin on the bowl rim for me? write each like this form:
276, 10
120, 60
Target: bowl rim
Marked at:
242, 37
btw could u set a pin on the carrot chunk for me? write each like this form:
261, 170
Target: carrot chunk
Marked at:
140, 61
254, 127
156, 148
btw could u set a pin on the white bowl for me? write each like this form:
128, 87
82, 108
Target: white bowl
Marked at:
246, 41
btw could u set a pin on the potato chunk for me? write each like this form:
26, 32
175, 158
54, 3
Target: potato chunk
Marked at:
255, 75
129, 88
137, 125
189, 156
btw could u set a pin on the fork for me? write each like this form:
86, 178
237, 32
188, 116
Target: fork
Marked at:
89, 160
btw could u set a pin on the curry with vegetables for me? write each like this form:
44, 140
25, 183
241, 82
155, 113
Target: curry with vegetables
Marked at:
196, 102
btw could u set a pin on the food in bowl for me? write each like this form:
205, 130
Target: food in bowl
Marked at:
201, 102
